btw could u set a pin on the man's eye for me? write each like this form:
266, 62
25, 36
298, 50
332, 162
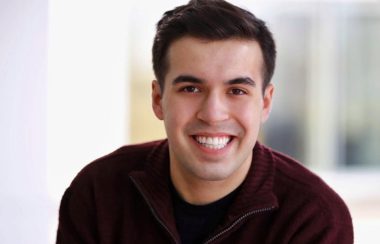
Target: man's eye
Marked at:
190, 89
237, 91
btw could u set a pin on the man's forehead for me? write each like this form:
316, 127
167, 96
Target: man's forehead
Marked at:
196, 48
231, 58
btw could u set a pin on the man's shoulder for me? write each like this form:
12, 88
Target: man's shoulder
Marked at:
294, 172
120, 162
291, 170
297, 185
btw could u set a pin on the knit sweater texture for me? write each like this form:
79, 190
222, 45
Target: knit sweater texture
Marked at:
125, 197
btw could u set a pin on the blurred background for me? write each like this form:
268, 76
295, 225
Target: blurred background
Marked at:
75, 84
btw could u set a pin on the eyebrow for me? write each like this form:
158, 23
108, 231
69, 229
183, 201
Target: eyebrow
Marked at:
187, 78
242, 80
193, 79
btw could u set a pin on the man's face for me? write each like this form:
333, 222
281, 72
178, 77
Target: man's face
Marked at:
212, 107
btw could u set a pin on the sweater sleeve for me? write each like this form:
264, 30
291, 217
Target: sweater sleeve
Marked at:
76, 219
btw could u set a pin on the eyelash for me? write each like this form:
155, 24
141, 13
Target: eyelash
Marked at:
232, 91
189, 89
238, 90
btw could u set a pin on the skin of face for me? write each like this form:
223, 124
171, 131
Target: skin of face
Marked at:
212, 106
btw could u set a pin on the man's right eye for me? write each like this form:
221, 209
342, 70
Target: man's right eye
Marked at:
190, 89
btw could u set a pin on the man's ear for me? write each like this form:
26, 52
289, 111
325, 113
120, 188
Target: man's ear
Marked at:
267, 102
157, 100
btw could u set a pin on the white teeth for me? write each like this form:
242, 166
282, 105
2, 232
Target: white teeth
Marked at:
209, 140
213, 142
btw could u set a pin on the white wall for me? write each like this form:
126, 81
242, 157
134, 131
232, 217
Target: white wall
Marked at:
24, 208
87, 103
63, 102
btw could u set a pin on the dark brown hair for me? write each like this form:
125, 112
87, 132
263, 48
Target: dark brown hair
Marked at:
211, 20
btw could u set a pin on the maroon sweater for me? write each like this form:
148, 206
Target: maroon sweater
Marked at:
124, 197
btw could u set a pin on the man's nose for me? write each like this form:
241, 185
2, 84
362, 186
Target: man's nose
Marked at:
213, 109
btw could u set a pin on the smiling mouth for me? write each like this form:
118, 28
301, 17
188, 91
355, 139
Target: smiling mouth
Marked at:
216, 142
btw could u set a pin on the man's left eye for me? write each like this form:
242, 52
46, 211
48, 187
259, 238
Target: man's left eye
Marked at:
190, 89
237, 91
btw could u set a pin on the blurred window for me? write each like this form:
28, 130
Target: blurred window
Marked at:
327, 105
360, 103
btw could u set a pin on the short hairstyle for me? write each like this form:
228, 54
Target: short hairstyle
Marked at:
211, 20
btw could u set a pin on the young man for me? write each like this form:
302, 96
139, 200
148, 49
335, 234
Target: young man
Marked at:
210, 181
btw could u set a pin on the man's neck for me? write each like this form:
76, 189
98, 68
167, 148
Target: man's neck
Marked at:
200, 192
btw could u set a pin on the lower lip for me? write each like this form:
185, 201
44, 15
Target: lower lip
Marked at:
210, 150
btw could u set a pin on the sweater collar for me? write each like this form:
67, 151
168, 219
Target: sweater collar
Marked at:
256, 191
153, 182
